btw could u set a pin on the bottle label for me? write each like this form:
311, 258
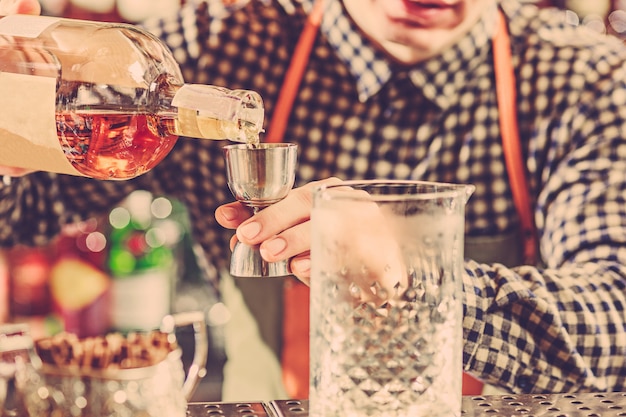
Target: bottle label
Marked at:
25, 26
28, 134
207, 112
207, 100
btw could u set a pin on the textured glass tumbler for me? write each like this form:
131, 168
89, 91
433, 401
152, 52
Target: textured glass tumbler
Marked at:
386, 302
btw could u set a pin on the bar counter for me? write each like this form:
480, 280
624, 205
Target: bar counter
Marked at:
525, 405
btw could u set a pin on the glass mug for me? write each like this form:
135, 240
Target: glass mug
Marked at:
16, 354
159, 390
386, 299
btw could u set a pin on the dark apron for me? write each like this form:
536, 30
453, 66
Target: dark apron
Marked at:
505, 249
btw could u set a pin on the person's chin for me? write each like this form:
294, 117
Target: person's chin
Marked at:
408, 50
414, 36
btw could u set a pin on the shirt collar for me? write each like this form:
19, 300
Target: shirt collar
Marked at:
439, 78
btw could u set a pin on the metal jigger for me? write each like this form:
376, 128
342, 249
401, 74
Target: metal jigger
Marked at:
258, 177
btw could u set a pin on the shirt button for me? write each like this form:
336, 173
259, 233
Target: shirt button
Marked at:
523, 382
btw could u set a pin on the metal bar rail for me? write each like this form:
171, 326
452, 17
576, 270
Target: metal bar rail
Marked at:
519, 405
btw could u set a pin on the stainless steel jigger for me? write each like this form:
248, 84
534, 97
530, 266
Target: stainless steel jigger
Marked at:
258, 177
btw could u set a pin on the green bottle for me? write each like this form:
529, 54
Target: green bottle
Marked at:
144, 240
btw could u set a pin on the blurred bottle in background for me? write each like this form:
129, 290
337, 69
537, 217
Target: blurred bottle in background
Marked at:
144, 259
80, 287
29, 269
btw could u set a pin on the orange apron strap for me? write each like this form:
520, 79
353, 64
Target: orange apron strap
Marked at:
295, 345
507, 107
299, 61
295, 326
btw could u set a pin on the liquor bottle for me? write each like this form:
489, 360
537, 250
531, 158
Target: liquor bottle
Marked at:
104, 100
144, 235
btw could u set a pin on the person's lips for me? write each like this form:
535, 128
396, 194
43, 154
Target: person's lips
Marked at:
422, 12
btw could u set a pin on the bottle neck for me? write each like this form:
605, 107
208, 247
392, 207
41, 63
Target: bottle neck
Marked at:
211, 112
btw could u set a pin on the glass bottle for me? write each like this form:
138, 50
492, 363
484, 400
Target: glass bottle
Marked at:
144, 235
104, 100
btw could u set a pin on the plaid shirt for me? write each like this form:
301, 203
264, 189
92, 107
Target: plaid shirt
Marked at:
359, 115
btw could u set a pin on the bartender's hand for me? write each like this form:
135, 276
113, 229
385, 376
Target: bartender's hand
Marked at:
282, 229
17, 7
283, 232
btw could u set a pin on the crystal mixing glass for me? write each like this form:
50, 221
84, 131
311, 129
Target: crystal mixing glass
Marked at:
259, 176
386, 299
